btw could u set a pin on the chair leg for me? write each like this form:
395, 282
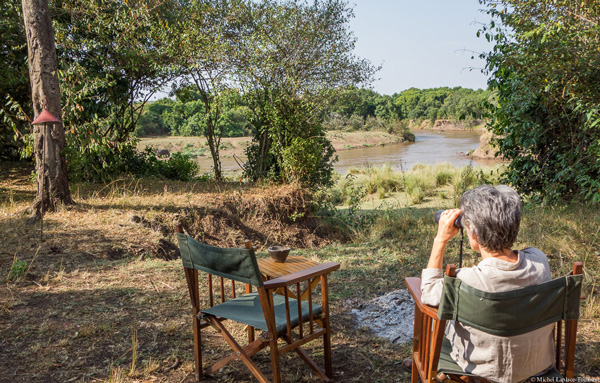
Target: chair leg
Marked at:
275, 360
309, 362
250, 334
327, 348
191, 276
418, 327
414, 374
198, 348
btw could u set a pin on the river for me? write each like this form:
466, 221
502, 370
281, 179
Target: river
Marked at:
430, 147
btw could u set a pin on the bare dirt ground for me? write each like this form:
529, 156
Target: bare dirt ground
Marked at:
104, 298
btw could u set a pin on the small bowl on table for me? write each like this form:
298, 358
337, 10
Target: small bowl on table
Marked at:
279, 253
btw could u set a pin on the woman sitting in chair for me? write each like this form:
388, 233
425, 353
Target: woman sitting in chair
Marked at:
491, 217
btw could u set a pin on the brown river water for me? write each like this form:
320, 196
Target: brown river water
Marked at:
430, 147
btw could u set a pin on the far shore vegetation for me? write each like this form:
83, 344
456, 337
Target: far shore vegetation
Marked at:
352, 109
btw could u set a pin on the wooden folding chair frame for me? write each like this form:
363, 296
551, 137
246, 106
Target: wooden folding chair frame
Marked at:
429, 333
318, 325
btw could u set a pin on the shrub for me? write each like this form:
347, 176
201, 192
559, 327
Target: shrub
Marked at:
17, 269
102, 163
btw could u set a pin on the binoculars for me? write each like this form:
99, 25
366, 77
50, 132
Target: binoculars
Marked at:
458, 223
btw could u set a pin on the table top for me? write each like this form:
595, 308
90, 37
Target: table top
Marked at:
292, 264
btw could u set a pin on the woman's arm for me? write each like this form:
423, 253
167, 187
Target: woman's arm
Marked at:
432, 278
446, 231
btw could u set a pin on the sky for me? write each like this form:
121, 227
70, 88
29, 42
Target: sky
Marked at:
421, 44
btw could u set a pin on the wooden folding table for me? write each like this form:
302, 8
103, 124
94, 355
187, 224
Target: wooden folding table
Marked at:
294, 263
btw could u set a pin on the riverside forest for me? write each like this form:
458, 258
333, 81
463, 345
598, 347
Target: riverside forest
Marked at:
149, 96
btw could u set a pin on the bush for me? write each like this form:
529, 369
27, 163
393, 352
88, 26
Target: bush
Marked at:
468, 178
544, 71
290, 146
102, 163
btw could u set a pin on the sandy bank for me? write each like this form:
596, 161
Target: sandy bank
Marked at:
231, 146
443, 125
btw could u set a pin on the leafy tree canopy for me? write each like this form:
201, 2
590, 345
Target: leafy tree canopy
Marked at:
545, 67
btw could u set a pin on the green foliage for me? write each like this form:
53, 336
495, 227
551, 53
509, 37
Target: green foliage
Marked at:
289, 63
14, 82
298, 150
343, 204
104, 160
419, 182
364, 109
349, 221
151, 122
17, 270
545, 69
186, 116
302, 160
111, 60
468, 178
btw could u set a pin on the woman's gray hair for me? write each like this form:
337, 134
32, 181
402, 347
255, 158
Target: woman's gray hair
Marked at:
493, 214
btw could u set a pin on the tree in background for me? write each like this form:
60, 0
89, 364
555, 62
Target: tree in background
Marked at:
113, 58
48, 144
204, 47
364, 109
291, 56
15, 92
545, 67
184, 116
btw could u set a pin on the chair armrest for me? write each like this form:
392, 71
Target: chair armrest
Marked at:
299, 276
414, 286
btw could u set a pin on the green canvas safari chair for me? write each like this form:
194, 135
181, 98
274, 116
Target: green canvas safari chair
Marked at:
503, 314
275, 315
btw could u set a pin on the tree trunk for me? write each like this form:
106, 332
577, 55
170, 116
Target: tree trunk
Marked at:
49, 140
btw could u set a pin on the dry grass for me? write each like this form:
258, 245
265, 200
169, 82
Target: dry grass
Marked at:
96, 305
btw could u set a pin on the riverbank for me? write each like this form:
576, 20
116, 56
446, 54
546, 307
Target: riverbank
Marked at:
447, 125
485, 151
103, 280
231, 146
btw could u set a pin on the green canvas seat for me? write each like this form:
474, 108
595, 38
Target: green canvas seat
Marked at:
248, 310
507, 313
263, 309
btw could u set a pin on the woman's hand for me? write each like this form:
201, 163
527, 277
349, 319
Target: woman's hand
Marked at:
446, 228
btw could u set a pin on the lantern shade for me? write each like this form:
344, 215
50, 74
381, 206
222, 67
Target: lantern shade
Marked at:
45, 116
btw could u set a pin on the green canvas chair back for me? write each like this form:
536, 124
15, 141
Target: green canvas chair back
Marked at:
237, 264
512, 312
